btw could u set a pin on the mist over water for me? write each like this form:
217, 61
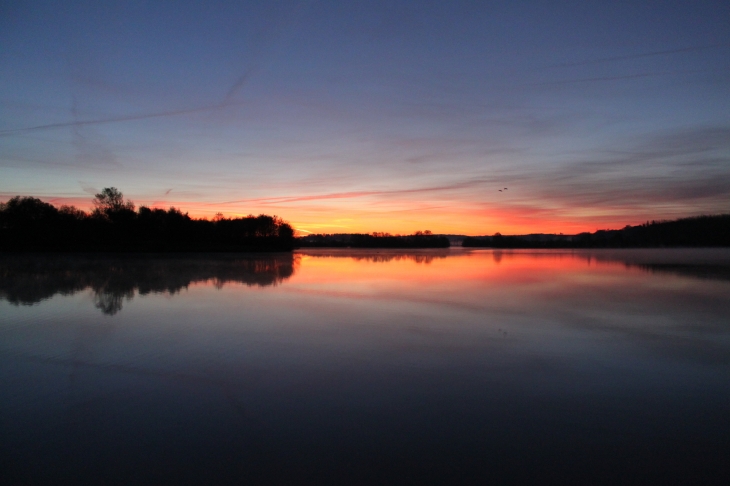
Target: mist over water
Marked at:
367, 367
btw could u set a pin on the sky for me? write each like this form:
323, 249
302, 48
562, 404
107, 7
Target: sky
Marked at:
344, 117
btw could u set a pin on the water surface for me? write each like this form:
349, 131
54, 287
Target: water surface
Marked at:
367, 367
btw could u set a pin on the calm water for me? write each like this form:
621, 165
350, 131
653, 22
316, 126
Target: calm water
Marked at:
367, 367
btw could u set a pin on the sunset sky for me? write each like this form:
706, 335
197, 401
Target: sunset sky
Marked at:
346, 117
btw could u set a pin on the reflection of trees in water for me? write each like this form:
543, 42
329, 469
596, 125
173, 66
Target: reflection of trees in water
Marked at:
29, 279
709, 272
425, 259
712, 263
705, 263
110, 303
421, 258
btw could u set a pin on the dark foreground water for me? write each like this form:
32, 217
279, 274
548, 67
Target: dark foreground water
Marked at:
367, 367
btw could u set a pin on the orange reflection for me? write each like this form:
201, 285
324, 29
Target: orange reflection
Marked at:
447, 266
452, 282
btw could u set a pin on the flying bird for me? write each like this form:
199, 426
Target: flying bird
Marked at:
500, 190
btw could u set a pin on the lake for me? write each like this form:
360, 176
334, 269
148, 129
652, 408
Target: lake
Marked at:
367, 367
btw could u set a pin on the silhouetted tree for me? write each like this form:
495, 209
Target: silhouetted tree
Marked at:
29, 224
709, 231
110, 199
72, 212
27, 209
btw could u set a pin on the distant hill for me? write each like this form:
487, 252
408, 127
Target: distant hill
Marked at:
700, 231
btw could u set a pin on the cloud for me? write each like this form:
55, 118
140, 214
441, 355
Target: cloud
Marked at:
689, 168
88, 188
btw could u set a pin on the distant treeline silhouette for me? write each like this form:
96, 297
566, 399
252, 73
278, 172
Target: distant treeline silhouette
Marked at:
29, 279
700, 231
29, 224
420, 239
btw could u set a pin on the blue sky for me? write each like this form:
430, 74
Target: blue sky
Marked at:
373, 116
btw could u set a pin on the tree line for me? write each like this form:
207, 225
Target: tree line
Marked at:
29, 224
420, 239
699, 231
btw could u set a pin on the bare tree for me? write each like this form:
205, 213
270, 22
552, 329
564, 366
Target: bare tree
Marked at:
111, 200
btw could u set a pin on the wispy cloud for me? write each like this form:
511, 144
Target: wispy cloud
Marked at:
688, 168
87, 188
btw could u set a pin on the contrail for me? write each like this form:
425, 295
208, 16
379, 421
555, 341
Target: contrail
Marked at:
117, 119
357, 194
637, 56
238, 85
272, 30
268, 36
615, 78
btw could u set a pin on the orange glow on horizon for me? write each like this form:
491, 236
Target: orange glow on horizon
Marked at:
398, 218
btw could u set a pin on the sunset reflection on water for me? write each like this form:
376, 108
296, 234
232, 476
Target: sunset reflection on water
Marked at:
348, 366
